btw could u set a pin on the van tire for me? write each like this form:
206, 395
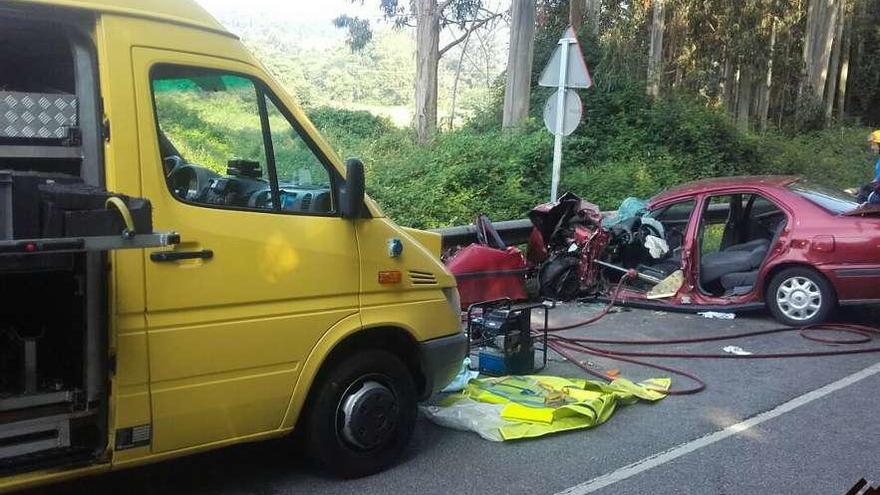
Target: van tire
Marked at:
809, 301
362, 414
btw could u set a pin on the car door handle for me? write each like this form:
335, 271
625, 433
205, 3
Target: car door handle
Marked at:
170, 256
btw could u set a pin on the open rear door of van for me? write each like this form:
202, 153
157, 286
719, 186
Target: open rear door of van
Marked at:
58, 223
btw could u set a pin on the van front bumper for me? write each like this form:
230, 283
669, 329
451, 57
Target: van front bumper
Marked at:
441, 360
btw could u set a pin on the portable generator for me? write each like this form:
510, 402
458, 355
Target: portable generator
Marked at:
501, 340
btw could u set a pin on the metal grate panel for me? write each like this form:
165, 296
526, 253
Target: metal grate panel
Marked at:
37, 115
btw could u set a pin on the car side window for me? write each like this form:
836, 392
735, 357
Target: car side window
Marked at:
759, 206
225, 143
763, 218
675, 219
675, 215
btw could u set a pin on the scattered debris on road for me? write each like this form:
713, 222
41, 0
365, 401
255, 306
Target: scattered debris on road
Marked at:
733, 349
715, 315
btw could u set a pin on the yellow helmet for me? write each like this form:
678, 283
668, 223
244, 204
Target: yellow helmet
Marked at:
874, 137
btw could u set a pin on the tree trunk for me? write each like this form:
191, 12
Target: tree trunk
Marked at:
767, 87
744, 98
592, 16
655, 55
834, 65
464, 48
427, 62
519, 63
576, 14
785, 90
728, 84
809, 34
844, 67
818, 42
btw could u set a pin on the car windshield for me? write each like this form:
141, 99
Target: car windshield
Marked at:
831, 199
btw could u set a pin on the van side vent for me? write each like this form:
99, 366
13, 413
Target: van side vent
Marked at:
136, 436
306, 202
422, 278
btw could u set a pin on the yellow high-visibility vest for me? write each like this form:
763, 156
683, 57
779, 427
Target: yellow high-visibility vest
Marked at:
539, 405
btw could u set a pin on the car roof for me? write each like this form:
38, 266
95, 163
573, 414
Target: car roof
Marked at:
723, 183
185, 12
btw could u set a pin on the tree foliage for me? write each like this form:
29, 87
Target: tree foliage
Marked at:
715, 64
453, 13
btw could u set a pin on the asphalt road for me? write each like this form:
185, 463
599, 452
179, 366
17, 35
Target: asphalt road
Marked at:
821, 442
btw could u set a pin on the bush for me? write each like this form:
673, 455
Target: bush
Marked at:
457, 176
349, 130
837, 157
628, 145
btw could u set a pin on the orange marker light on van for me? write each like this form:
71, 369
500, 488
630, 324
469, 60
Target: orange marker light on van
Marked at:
390, 277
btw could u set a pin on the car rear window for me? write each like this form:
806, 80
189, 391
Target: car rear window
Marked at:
833, 200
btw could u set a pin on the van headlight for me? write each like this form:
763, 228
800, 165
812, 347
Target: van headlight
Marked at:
454, 300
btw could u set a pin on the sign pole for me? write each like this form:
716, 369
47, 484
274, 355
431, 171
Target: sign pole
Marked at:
560, 118
563, 111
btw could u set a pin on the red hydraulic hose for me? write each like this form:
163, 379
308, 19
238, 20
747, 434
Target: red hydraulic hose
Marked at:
566, 346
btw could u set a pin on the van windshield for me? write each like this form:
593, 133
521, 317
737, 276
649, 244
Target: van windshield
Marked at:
828, 198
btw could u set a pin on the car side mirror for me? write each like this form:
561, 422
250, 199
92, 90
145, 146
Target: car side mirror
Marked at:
351, 194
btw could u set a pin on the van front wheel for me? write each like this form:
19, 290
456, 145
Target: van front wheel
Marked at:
362, 414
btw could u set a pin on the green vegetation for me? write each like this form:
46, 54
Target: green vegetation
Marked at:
212, 120
703, 124
628, 146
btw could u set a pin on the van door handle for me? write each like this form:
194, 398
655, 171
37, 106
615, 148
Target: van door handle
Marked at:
169, 256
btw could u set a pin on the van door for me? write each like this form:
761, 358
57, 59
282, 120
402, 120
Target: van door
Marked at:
265, 265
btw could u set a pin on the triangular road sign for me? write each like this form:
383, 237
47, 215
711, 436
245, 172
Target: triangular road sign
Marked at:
577, 75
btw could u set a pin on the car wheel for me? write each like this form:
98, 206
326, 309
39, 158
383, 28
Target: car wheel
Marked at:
800, 296
361, 414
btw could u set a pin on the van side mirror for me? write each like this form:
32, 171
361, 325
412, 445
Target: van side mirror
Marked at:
351, 194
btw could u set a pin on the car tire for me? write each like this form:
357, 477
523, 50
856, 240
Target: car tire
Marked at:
361, 414
800, 296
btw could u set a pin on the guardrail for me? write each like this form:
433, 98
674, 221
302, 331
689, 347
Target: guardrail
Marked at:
512, 232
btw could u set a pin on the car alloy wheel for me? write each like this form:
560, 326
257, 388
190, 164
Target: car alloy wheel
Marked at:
799, 298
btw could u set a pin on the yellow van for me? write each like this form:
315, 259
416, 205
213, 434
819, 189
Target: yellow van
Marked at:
262, 293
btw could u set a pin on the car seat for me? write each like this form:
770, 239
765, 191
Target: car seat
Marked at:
737, 266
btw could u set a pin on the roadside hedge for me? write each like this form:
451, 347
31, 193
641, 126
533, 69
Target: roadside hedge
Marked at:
628, 145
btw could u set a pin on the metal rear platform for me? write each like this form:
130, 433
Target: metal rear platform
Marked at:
83, 244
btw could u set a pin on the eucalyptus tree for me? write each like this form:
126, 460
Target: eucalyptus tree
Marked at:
429, 18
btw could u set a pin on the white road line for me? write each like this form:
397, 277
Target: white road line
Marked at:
661, 458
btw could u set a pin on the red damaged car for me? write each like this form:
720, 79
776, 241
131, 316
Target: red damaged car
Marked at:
727, 244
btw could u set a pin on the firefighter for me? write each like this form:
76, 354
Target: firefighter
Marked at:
871, 192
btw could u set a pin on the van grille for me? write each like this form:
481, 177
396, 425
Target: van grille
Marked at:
422, 278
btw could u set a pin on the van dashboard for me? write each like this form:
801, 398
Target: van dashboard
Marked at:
197, 184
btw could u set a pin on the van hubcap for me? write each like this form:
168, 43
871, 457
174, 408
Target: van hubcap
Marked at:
368, 413
799, 298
